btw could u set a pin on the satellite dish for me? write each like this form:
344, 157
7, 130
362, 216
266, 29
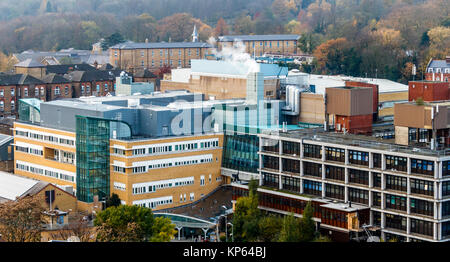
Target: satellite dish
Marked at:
73, 239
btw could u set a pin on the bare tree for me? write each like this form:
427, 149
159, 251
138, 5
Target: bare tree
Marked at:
22, 220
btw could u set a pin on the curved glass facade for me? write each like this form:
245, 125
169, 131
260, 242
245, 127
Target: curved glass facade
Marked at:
240, 152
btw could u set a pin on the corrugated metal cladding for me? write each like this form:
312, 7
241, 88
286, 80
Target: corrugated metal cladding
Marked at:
349, 102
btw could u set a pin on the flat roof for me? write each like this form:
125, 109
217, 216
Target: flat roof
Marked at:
364, 141
384, 85
344, 206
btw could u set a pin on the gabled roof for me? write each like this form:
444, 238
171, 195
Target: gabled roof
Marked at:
18, 79
439, 64
54, 79
29, 63
64, 69
88, 76
232, 38
144, 73
131, 45
12, 186
106, 66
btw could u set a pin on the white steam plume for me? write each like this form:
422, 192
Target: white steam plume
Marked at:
236, 55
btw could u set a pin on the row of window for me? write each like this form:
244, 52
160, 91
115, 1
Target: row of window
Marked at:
41, 171
396, 163
153, 186
166, 52
46, 138
153, 203
172, 148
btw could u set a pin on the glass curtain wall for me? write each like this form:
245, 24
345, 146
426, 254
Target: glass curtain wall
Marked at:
92, 158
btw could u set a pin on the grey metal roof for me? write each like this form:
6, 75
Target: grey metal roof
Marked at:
29, 63
439, 64
5, 139
12, 186
162, 45
232, 38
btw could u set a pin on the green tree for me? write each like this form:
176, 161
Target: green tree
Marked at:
163, 230
290, 231
269, 228
111, 40
307, 225
131, 224
114, 200
247, 216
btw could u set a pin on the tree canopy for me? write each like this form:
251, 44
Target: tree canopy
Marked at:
126, 223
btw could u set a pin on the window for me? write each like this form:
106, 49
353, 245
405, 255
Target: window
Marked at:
270, 162
396, 163
2, 92
13, 105
291, 166
376, 199
335, 191
314, 151
358, 158
358, 176
396, 202
142, 63
425, 167
270, 180
396, 183
312, 169
422, 187
290, 183
422, 207
421, 227
312, 187
446, 188
202, 180
57, 91
142, 53
12, 91
334, 172
2, 105
25, 91
376, 180
115, 53
291, 148
42, 91
358, 195
395, 221
66, 90
445, 208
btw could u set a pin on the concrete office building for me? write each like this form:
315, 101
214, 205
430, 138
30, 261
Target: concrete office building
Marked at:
398, 190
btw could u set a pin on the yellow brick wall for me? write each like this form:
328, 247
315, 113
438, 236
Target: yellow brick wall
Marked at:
41, 160
196, 171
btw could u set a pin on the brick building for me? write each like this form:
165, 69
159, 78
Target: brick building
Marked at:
257, 45
132, 56
438, 70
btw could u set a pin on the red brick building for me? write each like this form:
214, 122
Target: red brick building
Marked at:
438, 70
428, 91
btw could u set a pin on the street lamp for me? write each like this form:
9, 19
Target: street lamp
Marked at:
232, 231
